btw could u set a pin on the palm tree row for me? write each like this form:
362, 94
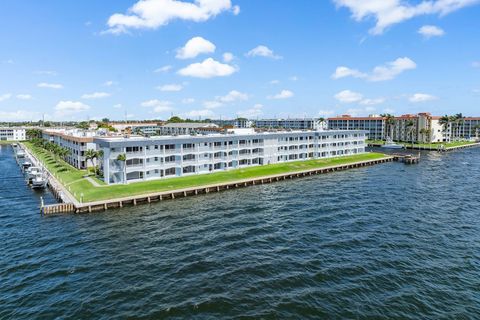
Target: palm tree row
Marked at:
54, 149
452, 125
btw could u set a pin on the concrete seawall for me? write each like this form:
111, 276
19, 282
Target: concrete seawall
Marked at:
193, 191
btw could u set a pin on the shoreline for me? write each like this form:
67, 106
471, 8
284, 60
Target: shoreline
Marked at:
70, 203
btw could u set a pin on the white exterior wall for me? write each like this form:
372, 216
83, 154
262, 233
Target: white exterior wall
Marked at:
13, 134
164, 157
77, 149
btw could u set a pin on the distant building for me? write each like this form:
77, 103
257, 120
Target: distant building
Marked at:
167, 156
236, 123
188, 128
421, 128
12, 134
291, 124
147, 128
375, 125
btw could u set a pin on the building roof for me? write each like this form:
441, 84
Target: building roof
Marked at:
189, 125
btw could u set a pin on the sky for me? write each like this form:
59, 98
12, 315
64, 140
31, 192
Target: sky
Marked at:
151, 59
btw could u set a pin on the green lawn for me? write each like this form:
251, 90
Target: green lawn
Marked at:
73, 178
7, 142
435, 146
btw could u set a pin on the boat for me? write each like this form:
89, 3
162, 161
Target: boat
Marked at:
389, 144
32, 172
39, 181
20, 154
26, 165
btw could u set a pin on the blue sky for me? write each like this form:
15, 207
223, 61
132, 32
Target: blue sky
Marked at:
89, 59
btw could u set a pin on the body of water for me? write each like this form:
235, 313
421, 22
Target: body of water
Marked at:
389, 241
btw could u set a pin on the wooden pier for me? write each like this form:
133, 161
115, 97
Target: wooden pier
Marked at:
406, 158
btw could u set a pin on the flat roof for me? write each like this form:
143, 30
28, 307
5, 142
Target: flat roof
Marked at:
214, 137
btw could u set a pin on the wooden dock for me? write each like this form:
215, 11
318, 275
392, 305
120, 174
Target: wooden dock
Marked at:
406, 158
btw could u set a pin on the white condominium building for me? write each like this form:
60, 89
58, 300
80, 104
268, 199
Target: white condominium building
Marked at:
373, 124
182, 128
291, 124
12, 134
173, 156
76, 140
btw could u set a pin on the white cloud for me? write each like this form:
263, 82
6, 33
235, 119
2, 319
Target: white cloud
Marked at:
24, 96
96, 95
284, 94
421, 97
152, 14
476, 64
170, 87
262, 51
233, 96
163, 69
158, 105
372, 102
109, 83
200, 113
194, 47
389, 12
431, 31
294, 78
19, 115
342, 72
326, 113
50, 85
384, 72
118, 106
236, 10
212, 104
188, 100
69, 107
228, 57
5, 96
274, 82
9, 61
209, 68
347, 96
253, 112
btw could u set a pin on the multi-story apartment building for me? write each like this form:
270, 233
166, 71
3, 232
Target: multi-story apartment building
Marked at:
12, 134
375, 125
291, 124
417, 128
468, 128
172, 156
422, 127
181, 128
76, 140
236, 123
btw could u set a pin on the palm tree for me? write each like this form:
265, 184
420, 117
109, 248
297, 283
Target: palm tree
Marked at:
410, 126
90, 154
459, 122
390, 121
123, 158
99, 155
445, 122
477, 130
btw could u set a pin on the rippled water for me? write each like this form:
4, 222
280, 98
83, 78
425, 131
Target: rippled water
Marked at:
390, 241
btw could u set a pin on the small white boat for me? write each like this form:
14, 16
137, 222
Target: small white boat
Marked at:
20, 154
39, 181
32, 172
26, 165
389, 144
